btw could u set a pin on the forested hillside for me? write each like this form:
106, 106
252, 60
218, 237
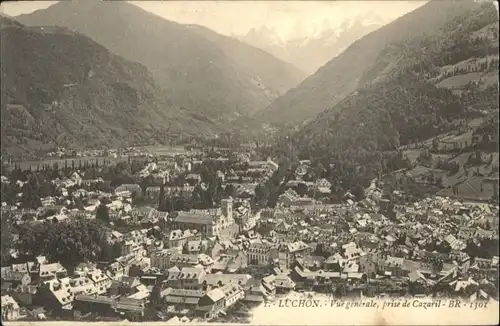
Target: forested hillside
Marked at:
401, 101
208, 73
374, 56
60, 88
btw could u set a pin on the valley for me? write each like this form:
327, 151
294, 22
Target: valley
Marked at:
153, 169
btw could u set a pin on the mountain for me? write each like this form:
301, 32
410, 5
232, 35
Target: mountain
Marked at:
60, 88
196, 68
342, 75
415, 89
311, 52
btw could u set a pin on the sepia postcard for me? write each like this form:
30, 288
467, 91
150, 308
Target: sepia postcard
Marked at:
249, 162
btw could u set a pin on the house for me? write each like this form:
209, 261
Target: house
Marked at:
218, 280
83, 269
255, 292
10, 309
178, 238
230, 262
131, 308
181, 298
58, 295
294, 250
282, 227
211, 304
196, 246
134, 189
103, 305
182, 260
291, 199
351, 251
283, 283
187, 278
15, 276
152, 193
126, 286
161, 259
288, 197
155, 216
48, 201
49, 271
101, 281
323, 186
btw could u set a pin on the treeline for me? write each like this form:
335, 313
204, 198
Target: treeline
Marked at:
267, 194
69, 242
488, 133
36, 185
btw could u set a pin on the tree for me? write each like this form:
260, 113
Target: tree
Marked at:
6, 238
439, 181
229, 191
69, 242
102, 213
359, 192
31, 193
302, 189
161, 199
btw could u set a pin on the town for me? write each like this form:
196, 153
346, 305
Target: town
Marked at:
207, 235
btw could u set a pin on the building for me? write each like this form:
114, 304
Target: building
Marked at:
10, 309
256, 292
295, 250
59, 295
291, 199
211, 304
49, 271
178, 238
132, 308
209, 222
283, 283
183, 260
181, 298
161, 259
196, 247
218, 280
187, 278
261, 254
101, 281
134, 189
103, 305
152, 193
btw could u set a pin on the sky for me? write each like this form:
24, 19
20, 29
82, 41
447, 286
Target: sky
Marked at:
289, 19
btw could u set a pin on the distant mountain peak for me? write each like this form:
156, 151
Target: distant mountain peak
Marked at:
323, 41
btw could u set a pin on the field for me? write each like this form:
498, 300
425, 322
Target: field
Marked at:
472, 188
459, 81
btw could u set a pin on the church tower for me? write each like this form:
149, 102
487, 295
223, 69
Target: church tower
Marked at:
227, 209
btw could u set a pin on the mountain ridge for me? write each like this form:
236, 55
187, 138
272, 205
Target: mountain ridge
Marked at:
440, 83
60, 88
192, 67
344, 74
311, 52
